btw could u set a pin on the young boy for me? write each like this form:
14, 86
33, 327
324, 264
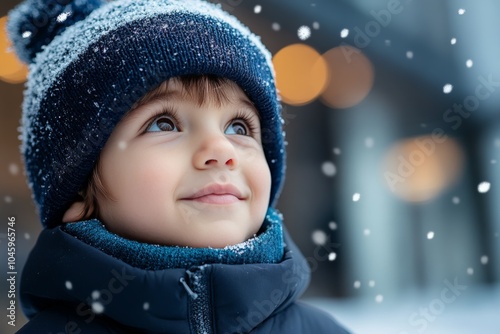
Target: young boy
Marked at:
153, 146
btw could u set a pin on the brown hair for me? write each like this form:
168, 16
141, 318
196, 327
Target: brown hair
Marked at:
203, 88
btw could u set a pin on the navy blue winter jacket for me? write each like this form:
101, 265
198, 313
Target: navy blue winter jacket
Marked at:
69, 286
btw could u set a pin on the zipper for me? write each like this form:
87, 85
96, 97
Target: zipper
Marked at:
200, 309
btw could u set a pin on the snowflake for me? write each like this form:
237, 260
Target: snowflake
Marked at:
483, 187
447, 88
304, 32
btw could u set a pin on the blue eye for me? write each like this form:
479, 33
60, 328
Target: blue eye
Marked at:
162, 124
237, 127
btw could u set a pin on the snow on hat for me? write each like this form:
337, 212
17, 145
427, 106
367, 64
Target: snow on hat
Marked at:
90, 60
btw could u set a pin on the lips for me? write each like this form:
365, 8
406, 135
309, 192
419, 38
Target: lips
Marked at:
217, 194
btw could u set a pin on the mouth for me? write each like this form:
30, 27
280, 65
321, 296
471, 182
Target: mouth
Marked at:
216, 194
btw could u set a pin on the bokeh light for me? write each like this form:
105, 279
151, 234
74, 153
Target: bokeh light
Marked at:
350, 77
420, 168
11, 69
301, 74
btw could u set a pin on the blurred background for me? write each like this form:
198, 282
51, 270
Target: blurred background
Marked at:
392, 112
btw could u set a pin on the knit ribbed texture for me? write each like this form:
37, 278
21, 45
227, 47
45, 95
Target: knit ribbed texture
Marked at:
84, 80
267, 247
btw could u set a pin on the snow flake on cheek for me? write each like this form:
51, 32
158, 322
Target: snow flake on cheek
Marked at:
122, 145
13, 169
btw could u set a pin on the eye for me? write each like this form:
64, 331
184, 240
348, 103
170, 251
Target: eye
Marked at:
238, 127
162, 124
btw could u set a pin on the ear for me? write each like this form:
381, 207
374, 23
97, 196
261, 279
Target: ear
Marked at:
74, 213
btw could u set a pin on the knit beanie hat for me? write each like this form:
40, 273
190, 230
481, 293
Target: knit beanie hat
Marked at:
91, 60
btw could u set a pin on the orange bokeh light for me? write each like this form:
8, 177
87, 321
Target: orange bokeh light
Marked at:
351, 77
420, 168
11, 69
301, 73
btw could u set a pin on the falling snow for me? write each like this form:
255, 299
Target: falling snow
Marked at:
430, 235
455, 200
447, 88
315, 25
356, 197
97, 307
276, 26
470, 271
497, 142
332, 256
453, 41
332, 226
484, 259
409, 54
336, 151
145, 306
469, 63
304, 32
379, 298
7, 199
344, 33
68, 285
367, 232
357, 284
493, 161
319, 237
328, 168
371, 283
387, 42
461, 11
369, 142
27, 236
257, 9
26, 34
95, 294
483, 187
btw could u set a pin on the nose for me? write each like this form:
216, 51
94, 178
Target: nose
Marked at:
215, 151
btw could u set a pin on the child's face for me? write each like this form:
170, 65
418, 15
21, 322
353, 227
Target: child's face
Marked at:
183, 174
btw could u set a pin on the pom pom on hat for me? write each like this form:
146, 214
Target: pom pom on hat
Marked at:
34, 23
92, 60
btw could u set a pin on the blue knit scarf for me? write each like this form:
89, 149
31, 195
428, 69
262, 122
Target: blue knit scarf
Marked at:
266, 247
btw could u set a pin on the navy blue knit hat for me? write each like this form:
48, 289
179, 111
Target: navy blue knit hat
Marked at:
90, 60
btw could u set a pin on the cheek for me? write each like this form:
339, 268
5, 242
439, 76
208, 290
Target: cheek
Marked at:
139, 179
260, 180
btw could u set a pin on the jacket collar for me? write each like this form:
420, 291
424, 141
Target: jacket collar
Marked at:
64, 269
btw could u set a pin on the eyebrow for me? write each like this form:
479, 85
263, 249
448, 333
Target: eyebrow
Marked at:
250, 105
164, 97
